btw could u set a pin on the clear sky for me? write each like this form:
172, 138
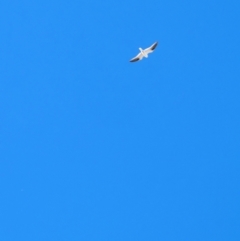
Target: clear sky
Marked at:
93, 147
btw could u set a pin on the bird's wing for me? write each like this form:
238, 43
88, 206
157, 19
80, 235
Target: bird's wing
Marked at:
138, 57
151, 48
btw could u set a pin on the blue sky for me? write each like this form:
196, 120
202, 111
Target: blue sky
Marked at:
93, 147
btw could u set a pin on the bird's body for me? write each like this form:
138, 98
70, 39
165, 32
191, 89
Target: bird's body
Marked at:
144, 52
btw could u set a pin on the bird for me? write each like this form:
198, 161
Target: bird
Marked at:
144, 52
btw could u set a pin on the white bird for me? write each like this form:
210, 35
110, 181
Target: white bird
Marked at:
144, 52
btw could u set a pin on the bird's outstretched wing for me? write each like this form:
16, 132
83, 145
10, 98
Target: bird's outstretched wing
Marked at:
138, 57
151, 48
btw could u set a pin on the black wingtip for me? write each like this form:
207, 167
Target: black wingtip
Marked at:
134, 60
154, 46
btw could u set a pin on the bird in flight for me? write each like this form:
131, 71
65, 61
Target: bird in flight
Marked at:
144, 52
